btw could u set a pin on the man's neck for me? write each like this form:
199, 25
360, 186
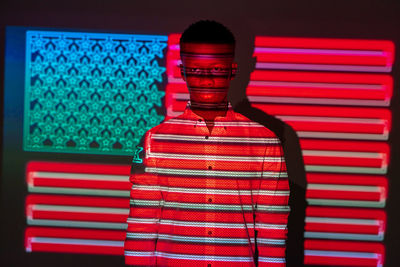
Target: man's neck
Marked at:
210, 112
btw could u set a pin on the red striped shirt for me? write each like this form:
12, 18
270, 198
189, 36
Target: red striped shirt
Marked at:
208, 199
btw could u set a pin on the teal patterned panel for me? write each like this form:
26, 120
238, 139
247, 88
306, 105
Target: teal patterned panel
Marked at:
92, 92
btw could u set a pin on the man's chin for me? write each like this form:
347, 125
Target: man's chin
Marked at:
209, 101
206, 98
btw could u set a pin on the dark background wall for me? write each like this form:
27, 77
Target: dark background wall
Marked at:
366, 19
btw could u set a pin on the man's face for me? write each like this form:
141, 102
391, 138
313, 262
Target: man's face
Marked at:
207, 69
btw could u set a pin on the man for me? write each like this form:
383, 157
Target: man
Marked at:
212, 189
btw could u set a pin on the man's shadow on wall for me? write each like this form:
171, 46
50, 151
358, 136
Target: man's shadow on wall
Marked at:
291, 148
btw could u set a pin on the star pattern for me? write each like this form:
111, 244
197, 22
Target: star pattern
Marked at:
90, 92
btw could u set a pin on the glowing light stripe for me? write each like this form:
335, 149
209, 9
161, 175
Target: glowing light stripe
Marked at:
207, 206
60, 208
344, 212
346, 169
341, 145
319, 85
355, 188
210, 240
210, 191
74, 241
325, 43
222, 225
77, 167
215, 173
302, 100
319, 101
227, 139
296, 84
331, 220
344, 254
284, 50
346, 203
312, 67
213, 157
78, 176
347, 154
344, 236
321, 77
328, 51
325, 67
206, 224
189, 257
216, 123
71, 200
78, 191
322, 178
332, 119
346, 136
80, 224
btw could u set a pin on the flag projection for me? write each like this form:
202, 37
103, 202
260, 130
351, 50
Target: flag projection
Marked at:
86, 93
91, 92
335, 93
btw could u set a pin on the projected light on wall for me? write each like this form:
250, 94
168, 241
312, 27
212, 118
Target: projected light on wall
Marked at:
335, 93
91, 92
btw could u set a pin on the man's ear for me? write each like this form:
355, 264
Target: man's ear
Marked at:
234, 70
182, 72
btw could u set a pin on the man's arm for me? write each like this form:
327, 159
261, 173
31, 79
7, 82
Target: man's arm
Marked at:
271, 209
144, 212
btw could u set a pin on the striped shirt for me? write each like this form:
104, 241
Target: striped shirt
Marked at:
208, 199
